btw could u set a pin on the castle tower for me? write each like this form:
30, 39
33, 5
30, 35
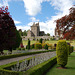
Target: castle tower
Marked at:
35, 29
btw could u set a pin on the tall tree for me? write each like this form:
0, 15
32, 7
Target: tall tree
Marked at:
66, 24
7, 30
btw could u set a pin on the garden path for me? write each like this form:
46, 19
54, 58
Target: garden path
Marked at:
6, 61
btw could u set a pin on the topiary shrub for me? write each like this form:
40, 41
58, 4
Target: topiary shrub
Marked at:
46, 47
41, 40
38, 46
28, 46
62, 53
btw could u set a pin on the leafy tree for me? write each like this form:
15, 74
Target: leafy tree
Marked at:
66, 24
7, 30
18, 40
25, 33
20, 32
48, 34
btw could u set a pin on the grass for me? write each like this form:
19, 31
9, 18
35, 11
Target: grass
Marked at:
70, 67
50, 42
26, 41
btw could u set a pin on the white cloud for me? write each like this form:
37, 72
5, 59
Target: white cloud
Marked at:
17, 22
33, 19
33, 7
23, 27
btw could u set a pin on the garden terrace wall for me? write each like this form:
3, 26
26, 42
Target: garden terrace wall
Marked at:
36, 70
23, 54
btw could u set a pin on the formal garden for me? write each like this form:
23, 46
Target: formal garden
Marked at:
34, 57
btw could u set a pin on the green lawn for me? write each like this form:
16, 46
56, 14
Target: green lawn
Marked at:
50, 42
26, 41
70, 67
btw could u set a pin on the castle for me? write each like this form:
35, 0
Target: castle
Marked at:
35, 31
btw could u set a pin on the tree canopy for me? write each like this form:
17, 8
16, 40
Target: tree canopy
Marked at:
7, 30
66, 24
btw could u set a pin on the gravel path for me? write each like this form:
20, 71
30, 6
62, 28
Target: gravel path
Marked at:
6, 61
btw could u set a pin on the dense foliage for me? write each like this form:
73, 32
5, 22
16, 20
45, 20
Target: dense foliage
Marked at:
62, 53
7, 31
28, 46
22, 33
41, 40
46, 47
18, 40
38, 46
66, 24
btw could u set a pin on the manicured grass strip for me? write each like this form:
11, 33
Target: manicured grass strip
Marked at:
23, 54
70, 67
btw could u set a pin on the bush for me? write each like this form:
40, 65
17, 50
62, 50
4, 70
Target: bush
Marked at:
22, 48
46, 47
71, 49
38, 46
55, 46
43, 45
32, 46
41, 40
49, 46
18, 48
62, 53
28, 46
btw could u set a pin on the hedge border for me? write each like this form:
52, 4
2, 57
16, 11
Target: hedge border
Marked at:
36, 70
23, 54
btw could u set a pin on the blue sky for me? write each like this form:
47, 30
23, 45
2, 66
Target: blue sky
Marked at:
25, 12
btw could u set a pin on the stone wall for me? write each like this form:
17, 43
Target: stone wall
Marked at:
35, 38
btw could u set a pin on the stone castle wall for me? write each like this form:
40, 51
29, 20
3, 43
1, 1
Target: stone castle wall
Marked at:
35, 38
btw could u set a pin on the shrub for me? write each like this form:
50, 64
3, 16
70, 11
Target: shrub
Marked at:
32, 46
41, 40
71, 49
38, 46
22, 48
18, 48
55, 46
43, 45
49, 46
28, 46
62, 53
68, 47
46, 47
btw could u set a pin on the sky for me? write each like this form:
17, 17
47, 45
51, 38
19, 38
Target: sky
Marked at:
25, 12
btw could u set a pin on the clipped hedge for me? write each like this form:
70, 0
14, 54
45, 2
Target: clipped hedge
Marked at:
22, 54
40, 69
62, 53
36, 70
